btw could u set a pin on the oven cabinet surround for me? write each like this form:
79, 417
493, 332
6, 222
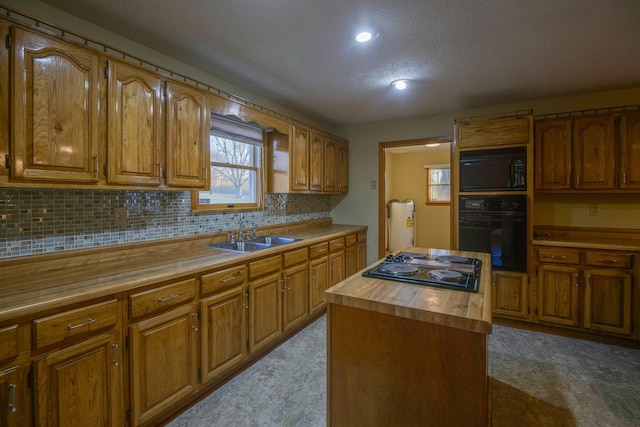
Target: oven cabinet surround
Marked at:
425, 349
510, 295
305, 161
130, 337
589, 153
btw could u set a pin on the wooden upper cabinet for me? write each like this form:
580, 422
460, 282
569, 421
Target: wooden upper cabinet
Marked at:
492, 132
316, 162
330, 165
553, 154
594, 152
135, 138
629, 151
55, 105
187, 133
299, 164
343, 167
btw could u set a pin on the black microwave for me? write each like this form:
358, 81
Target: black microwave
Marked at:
500, 169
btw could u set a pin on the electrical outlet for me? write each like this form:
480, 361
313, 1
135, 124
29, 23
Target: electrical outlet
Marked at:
120, 216
593, 210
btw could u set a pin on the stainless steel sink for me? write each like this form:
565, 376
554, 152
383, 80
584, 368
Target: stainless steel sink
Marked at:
243, 247
273, 240
259, 243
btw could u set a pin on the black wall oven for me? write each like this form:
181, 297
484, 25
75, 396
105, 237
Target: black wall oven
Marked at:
496, 225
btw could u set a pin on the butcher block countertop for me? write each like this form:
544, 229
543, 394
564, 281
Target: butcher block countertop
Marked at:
39, 283
632, 244
469, 311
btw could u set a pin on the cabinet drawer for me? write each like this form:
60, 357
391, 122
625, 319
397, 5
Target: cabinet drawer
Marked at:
351, 239
265, 266
336, 245
362, 237
9, 342
160, 298
223, 279
295, 257
60, 327
561, 256
320, 249
609, 259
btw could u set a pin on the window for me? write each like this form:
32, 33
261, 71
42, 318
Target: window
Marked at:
236, 172
438, 185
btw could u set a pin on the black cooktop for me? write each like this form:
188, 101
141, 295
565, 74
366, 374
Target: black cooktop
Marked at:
444, 271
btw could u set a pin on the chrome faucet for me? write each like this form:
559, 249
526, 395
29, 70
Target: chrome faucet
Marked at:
240, 237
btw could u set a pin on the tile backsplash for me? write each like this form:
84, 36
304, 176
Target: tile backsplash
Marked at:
34, 221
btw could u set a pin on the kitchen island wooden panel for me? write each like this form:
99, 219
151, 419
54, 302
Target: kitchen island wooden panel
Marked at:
406, 354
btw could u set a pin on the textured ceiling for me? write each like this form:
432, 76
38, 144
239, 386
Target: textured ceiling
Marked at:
457, 53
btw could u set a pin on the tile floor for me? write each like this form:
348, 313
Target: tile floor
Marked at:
536, 380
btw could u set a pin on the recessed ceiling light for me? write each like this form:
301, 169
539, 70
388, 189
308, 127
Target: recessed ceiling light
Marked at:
433, 144
399, 84
364, 36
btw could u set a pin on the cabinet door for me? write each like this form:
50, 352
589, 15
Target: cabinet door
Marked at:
163, 362
336, 265
55, 110
316, 163
224, 331
300, 159
318, 282
510, 294
134, 122
265, 310
296, 295
343, 167
362, 255
553, 154
10, 390
558, 294
80, 385
607, 301
351, 260
187, 133
630, 151
330, 165
594, 153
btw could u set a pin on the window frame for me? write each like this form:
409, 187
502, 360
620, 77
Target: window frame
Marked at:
429, 202
258, 167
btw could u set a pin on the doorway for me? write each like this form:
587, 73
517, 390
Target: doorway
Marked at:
396, 184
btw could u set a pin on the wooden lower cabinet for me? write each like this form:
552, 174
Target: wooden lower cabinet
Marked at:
295, 304
607, 301
80, 385
336, 268
163, 362
589, 290
11, 390
558, 294
318, 282
265, 310
224, 331
510, 296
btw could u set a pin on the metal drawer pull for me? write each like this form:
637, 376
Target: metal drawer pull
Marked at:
321, 250
196, 319
609, 261
169, 298
246, 300
12, 404
116, 358
555, 256
228, 279
87, 323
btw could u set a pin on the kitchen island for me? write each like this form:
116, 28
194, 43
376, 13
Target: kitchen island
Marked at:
404, 354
